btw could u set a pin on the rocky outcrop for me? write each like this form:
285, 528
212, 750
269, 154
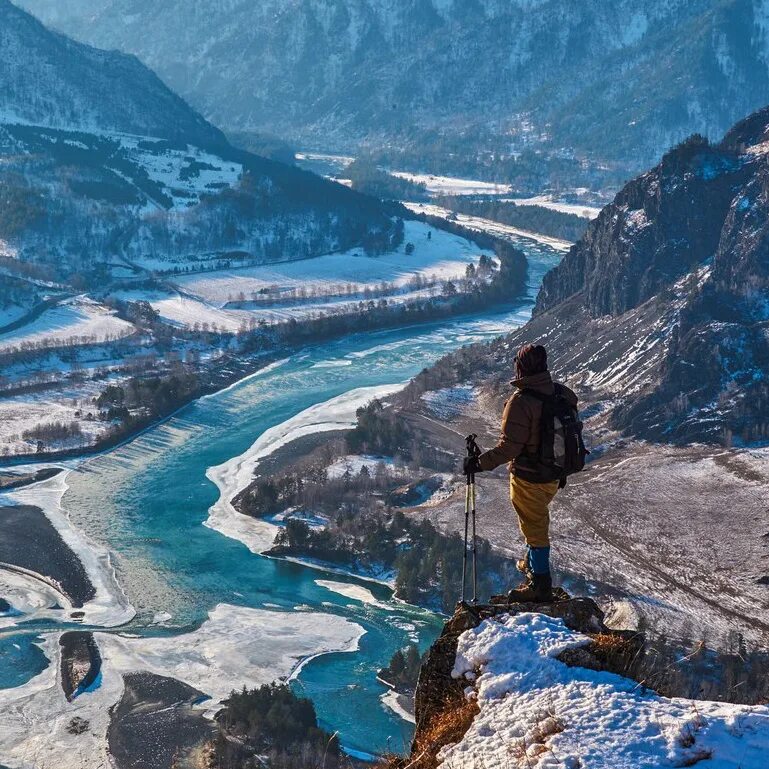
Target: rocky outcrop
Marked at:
443, 712
659, 315
156, 725
657, 228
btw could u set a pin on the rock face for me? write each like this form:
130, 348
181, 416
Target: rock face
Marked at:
613, 77
80, 662
657, 228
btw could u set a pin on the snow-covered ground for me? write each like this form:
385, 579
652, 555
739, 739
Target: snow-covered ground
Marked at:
535, 711
451, 185
549, 201
354, 592
442, 255
235, 475
449, 402
235, 646
354, 463
187, 311
339, 160
392, 700
183, 174
19, 413
487, 225
12, 313
76, 321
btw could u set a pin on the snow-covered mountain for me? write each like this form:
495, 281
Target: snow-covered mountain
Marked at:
102, 163
617, 78
50, 80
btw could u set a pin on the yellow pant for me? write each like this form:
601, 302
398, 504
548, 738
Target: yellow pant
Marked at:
532, 503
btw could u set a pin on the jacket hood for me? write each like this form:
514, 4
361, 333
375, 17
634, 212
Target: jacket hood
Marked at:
541, 382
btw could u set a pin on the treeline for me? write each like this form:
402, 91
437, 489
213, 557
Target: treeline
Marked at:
528, 172
368, 178
556, 224
504, 286
144, 399
427, 563
20, 206
299, 295
271, 726
49, 432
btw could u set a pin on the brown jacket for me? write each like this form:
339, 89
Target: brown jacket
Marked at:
520, 423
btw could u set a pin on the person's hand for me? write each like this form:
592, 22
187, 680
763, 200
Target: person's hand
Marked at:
471, 465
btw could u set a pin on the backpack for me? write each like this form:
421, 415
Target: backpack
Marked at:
562, 451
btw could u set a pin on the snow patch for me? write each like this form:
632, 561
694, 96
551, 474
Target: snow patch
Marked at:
110, 606
552, 715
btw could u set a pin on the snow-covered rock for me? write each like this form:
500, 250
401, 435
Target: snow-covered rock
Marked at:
540, 712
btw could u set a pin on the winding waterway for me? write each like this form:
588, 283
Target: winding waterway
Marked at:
147, 503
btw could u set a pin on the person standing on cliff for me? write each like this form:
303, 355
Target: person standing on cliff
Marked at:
542, 442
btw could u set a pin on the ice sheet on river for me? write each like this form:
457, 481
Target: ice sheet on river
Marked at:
236, 646
109, 607
234, 476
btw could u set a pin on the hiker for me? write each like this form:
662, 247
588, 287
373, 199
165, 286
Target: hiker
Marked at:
541, 453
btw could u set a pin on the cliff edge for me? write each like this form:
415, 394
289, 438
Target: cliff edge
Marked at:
551, 685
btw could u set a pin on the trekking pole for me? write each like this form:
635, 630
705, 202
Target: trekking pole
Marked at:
472, 451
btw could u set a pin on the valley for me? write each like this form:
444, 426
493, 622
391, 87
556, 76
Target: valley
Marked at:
265, 266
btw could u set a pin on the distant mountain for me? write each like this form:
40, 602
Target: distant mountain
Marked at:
106, 171
49, 80
614, 79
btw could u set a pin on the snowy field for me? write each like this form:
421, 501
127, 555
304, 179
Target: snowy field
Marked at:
480, 224
11, 314
549, 201
19, 413
184, 175
539, 712
443, 255
77, 321
354, 463
236, 646
186, 311
450, 185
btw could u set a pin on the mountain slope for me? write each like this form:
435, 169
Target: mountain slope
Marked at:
53, 81
104, 167
618, 80
659, 314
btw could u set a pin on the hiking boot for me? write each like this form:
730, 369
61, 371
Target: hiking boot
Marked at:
539, 589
